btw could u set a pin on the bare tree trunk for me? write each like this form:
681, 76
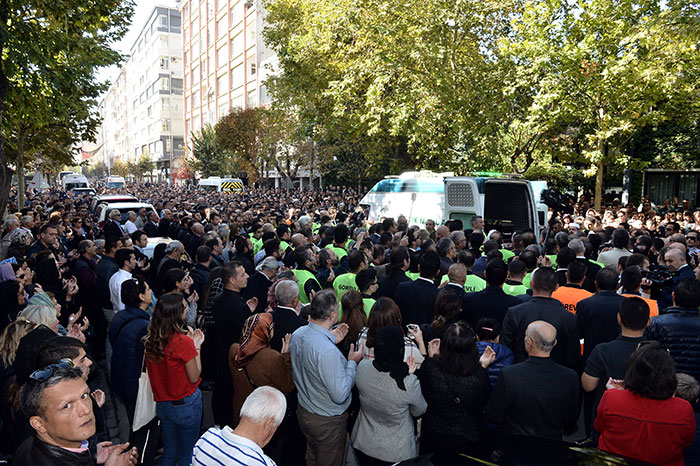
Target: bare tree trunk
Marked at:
599, 176
21, 189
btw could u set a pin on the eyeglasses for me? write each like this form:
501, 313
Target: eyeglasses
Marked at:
44, 373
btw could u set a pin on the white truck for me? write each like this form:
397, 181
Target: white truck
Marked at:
74, 180
219, 184
506, 203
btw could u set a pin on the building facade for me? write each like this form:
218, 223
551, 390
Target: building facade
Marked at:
142, 111
224, 57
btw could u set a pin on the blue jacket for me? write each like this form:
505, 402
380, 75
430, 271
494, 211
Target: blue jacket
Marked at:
127, 353
504, 357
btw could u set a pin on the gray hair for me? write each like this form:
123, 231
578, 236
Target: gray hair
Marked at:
304, 220
269, 263
323, 305
11, 220
264, 403
457, 236
443, 245
534, 334
286, 292
173, 246
25, 220
578, 246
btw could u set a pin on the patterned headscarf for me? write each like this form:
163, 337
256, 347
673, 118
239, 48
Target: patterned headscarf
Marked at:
256, 335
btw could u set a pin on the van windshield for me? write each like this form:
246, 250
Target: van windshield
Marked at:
418, 185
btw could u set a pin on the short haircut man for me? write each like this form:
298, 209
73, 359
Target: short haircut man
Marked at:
261, 414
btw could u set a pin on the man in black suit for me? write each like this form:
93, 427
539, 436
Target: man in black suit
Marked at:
164, 224
457, 276
399, 261
151, 226
676, 261
230, 314
259, 284
565, 257
591, 267
201, 270
492, 301
112, 227
284, 316
416, 299
596, 317
537, 397
542, 307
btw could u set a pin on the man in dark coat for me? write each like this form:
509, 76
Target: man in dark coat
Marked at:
492, 301
542, 307
537, 397
591, 268
200, 272
259, 284
151, 226
230, 314
285, 316
112, 227
596, 317
399, 261
416, 299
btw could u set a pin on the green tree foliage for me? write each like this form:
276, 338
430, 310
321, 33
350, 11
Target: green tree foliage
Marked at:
144, 167
604, 69
241, 133
97, 170
210, 159
119, 168
49, 53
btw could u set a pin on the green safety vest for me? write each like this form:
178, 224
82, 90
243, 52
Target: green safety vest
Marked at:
553, 258
526, 279
368, 303
514, 290
474, 283
340, 252
315, 227
343, 283
413, 275
507, 255
257, 243
302, 277
284, 245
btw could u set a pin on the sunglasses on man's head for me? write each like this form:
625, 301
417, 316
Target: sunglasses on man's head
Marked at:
44, 373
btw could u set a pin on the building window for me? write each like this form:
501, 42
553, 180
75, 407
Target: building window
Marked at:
237, 77
237, 13
251, 34
253, 65
222, 56
149, 111
168, 146
164, 84
237, 45
164, 63
237, 102
251, 99
222, 84
165, 125
223, 110
165, 104
221, 27
163, 21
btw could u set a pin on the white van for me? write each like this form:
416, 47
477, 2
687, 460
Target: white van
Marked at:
74, 180
115, 182
216, 183
506, 204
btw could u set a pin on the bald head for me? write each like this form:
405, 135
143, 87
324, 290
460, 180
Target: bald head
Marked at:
457, 273
540, 338
678, 247
442, 232
198, 229
298, 240
675, 258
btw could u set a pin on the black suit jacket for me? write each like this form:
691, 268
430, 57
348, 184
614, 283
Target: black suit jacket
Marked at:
596, 319
230, 314
163, 227
591, 271
258, 285
286, 321
492, 302
567, 350
150, 229
416, 299
536, 398
387, 287
454, 287
112, 229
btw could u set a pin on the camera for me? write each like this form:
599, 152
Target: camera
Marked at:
555, 201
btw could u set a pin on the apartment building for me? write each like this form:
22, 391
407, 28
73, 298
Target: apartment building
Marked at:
224, 59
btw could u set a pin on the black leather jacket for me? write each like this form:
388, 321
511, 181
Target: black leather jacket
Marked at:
678, 329
34, 452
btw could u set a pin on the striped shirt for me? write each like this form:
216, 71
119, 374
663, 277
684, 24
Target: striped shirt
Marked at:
220, 447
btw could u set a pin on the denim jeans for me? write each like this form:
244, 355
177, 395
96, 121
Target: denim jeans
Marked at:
180, 423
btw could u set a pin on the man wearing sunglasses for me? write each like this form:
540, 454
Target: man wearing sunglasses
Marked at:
56, 400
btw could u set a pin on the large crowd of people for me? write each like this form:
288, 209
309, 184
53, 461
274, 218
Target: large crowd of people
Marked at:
322, 336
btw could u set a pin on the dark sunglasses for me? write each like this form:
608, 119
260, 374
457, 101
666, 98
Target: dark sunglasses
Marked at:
44, 373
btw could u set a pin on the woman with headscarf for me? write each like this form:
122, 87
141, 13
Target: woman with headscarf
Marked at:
254, 364
390, 397
19, 243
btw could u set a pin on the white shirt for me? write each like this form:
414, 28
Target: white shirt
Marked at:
222, 446
115, 288
130, 227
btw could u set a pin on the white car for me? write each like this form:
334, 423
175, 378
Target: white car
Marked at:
103, 210
109, 199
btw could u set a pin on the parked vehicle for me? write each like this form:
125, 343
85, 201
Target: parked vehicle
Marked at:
216, 183
74, 180
110, 199
115, 182
103, 210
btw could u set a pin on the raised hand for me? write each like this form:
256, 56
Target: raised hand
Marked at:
252, 303
340, 332
488, 357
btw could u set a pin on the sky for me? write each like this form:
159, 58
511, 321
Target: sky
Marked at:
142, 11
